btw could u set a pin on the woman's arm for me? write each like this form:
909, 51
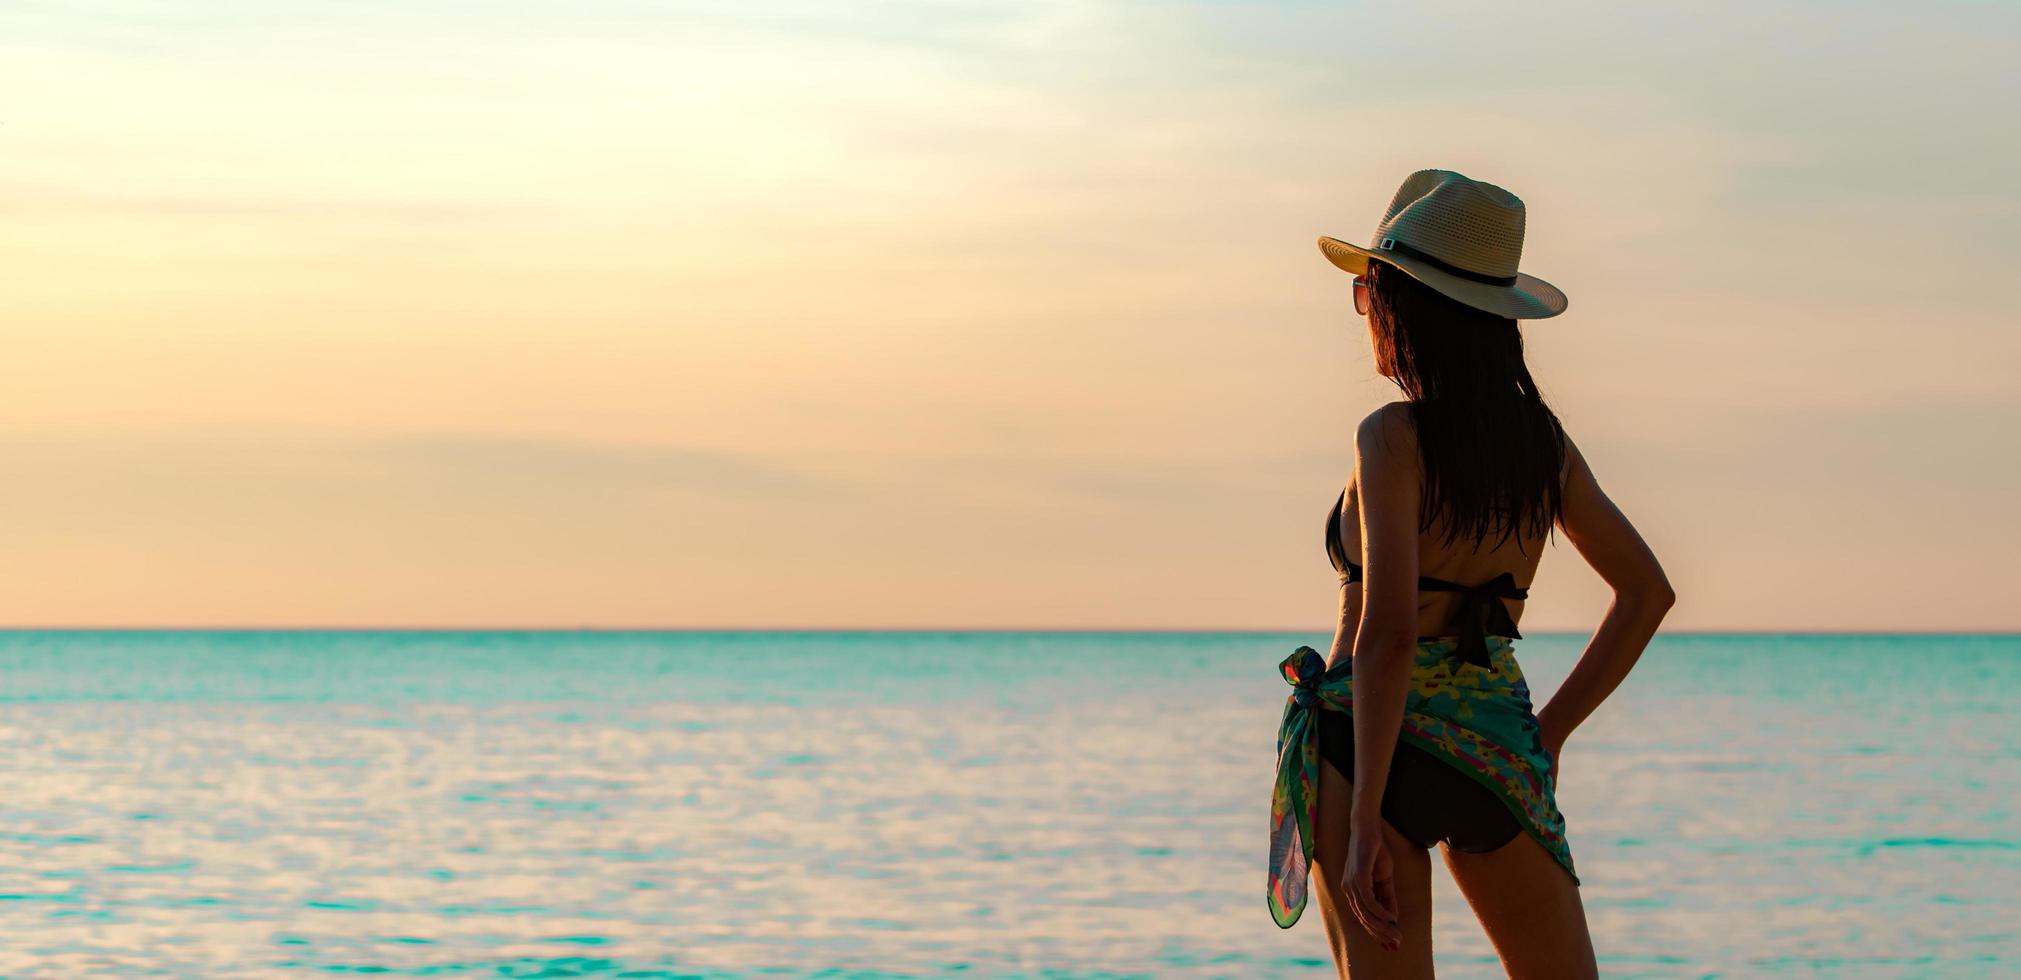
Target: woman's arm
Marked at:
1349, 623
1642, 595
1385, 642
1385, 648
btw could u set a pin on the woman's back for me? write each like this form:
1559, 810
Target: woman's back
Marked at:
1456, 561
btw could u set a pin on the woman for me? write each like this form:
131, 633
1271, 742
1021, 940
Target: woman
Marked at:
1455, 490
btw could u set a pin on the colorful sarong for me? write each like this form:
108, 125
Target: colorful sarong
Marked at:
1474, 718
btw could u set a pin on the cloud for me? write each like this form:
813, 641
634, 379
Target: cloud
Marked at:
523, 461
228, 458
27, 200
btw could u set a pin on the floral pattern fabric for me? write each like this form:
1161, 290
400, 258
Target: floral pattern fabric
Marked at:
1474, 718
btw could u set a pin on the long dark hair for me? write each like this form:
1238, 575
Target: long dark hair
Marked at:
1493, 451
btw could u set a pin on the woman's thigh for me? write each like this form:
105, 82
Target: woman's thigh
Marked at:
1529, 907
1355, 952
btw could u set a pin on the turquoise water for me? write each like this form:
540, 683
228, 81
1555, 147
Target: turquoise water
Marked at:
925, 804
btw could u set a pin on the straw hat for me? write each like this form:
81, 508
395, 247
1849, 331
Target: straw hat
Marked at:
1461, 237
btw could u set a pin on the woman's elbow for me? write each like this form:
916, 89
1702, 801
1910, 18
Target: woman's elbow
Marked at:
1653, 594
1386, 641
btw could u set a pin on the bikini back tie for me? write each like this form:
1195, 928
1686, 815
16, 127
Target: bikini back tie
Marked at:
1481, 612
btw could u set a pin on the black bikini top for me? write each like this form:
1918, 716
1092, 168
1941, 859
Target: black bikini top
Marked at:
1480, 612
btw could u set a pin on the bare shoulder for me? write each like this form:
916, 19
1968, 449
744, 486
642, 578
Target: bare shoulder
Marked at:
1574, 462
1387, 433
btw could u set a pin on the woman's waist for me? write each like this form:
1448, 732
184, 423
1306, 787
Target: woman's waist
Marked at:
1424, 638
1437, 656
1431, 647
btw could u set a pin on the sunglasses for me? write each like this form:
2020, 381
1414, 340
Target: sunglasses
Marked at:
1361, 295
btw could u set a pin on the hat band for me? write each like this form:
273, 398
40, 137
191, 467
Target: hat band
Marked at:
1392, 245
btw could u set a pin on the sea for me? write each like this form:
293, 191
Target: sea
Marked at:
914, 804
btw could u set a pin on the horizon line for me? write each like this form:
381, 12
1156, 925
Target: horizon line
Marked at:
1061, 630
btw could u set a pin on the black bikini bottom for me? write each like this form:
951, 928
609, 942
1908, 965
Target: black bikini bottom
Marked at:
1425, 799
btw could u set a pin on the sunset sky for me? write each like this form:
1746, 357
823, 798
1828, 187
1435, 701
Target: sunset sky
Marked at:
971, 314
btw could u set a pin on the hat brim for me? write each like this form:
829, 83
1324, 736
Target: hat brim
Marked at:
1529, 298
